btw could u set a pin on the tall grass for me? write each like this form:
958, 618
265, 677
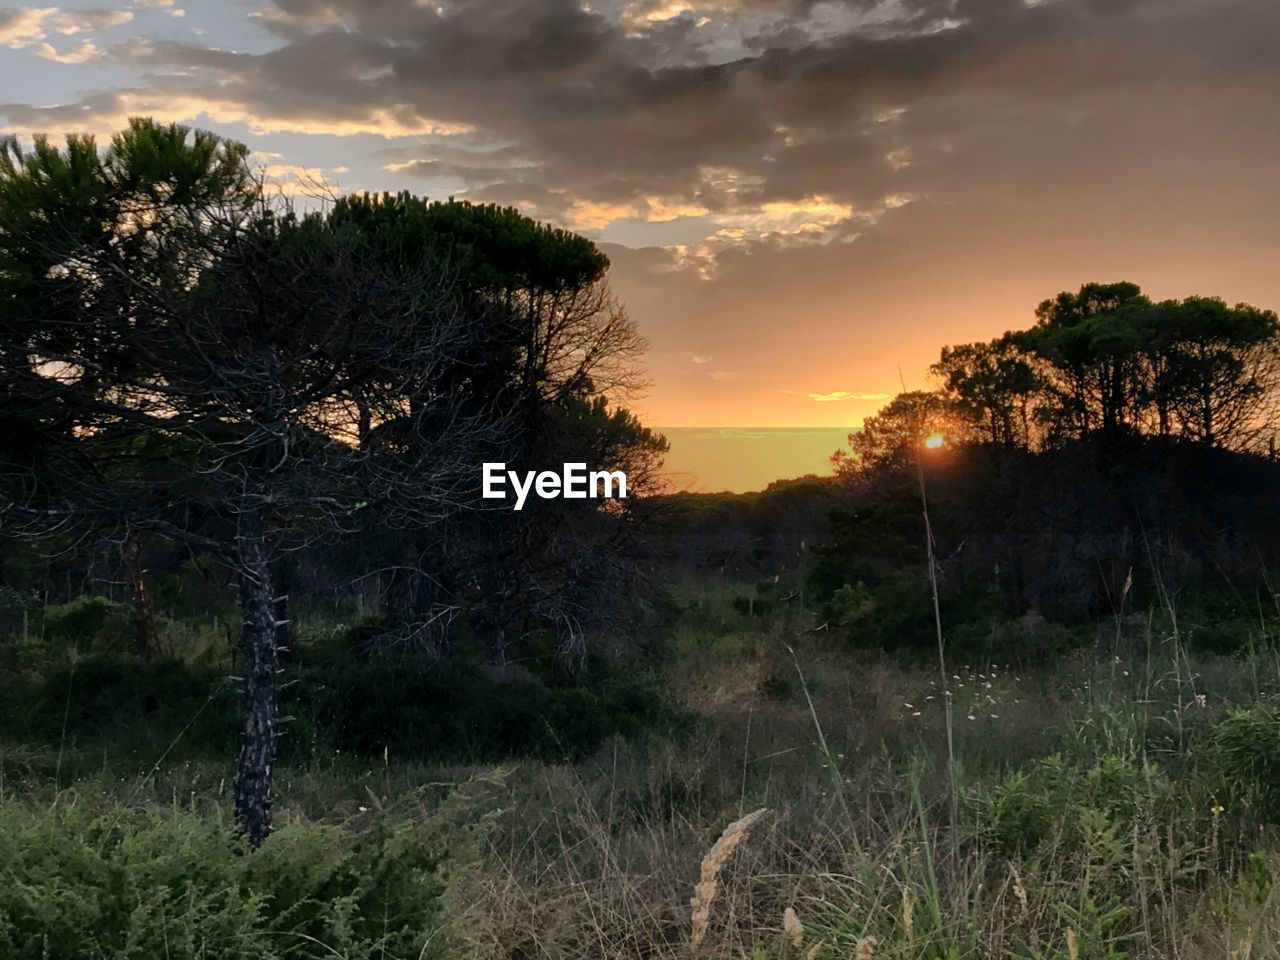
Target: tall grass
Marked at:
1100, 813
1101, 842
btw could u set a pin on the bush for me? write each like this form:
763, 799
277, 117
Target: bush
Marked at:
1053, 798
113, 691
80, 881
88, 624
1248, 745
436, 712
1224, 636
456, 712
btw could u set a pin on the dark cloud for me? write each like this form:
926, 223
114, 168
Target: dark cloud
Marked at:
625, 101
741, 111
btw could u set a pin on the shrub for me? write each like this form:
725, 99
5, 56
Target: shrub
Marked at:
1248, 745
88, 624
1052, 798
79, 880
438, 712
96, 693
853, 605
457, 712
1223, 636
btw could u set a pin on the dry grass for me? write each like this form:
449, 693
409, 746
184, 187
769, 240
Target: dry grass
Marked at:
709, 874
792, 927
598, 859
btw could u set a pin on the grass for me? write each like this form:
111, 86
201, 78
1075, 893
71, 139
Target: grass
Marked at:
1118, 804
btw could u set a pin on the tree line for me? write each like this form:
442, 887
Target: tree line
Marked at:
1103, 362
186, 356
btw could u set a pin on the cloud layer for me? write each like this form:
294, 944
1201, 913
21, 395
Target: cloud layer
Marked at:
778, 121
825, 176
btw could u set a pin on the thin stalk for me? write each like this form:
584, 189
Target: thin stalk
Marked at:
954, 805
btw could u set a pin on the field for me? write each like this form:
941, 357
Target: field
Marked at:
759, 791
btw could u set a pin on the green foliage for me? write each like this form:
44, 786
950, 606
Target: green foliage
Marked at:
88, 624
490, 248
16, 606
78, 880
440, 712
853, 605
85, 625
1053, 798
1248, 743
759, 603
1033, 549
454, 711
164, 169
1102, 730
989, 634
1096, 932
117, 696
891, 608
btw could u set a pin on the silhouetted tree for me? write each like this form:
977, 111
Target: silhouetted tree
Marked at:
1090, 344
1214, 369
560, 355
1108, 360
194, 362
995, 386
892, 437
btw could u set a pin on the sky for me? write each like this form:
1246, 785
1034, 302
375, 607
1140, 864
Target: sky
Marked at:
802, 200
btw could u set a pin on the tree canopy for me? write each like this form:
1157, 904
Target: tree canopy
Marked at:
1103, 361
183, 355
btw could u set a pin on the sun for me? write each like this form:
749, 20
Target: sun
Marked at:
933, 441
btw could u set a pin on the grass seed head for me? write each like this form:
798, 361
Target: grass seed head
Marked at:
793, 928
1246, 946
1019, 890
709, 878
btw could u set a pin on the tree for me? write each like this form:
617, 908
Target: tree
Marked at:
1089, 344
195, 362
995, 386
561, 355
1213, 368
892, 437
1111, 361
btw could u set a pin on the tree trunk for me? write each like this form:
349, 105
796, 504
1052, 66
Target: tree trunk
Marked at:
258, 646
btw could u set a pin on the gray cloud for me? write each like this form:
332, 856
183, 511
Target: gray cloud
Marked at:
612, 106
26, 26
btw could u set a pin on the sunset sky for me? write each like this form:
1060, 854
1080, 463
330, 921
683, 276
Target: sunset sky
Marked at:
799, 198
